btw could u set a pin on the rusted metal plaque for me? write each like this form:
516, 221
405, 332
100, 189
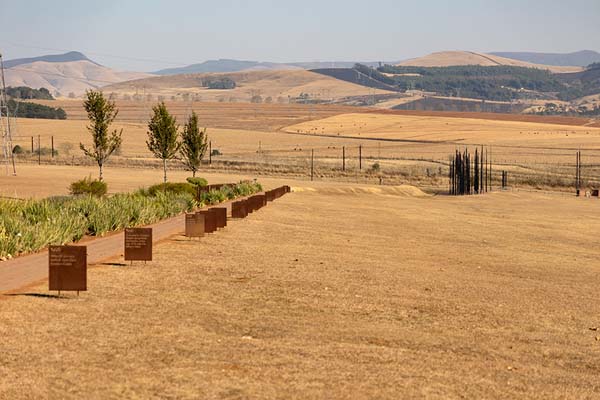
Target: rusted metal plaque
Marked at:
238, 209
67, 268
221, 216
194, 225
210, 221
138, 244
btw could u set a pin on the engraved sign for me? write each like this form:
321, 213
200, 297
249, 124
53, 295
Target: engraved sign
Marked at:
67, 268
194, 225
138, 244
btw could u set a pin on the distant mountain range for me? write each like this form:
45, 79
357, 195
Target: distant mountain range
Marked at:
579, 58
52, 58
228, 65
63, 74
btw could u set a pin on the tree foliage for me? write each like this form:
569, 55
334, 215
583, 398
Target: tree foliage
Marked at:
101, 114
24, 109
163, 137
25, 92
193, 144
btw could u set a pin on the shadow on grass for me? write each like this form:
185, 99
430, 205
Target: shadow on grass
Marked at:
114, 264
42, 295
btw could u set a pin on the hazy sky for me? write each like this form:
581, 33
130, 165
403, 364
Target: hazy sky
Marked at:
148, 35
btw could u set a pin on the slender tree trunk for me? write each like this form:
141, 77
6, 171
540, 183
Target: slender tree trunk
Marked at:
165, 169
100, 177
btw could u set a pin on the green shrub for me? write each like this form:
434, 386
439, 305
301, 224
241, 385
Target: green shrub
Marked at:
197, 181
172, 187
88, 186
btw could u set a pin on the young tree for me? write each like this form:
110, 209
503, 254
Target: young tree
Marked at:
162, 135
193, 144
101, 113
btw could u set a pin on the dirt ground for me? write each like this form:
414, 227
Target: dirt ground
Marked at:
365, 292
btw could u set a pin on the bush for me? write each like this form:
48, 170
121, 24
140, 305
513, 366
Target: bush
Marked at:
88, 186
172, 187
197, 181
18, 150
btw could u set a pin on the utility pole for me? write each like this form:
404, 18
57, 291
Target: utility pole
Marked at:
5, 128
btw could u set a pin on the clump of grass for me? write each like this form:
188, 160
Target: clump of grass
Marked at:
88, 186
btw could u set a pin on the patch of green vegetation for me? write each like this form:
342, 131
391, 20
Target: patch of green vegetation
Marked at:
88, 186
25, 92
501, 82
30, 225
23, 109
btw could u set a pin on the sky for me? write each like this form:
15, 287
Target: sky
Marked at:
147, 35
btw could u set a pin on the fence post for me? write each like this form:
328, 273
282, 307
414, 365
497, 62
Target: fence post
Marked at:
39, 152
52, 149
209, 152
360, 156
312, 163
32, 146
343, 158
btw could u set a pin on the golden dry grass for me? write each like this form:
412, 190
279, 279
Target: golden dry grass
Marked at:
362, 295
274, 84
450, 58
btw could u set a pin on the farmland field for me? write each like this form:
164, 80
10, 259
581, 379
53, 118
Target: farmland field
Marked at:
363, 294
408, 147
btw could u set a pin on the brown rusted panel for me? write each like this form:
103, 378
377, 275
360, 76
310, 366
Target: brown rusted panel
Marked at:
67, 268
595, 193
221, 216
238, 209
194, 225
138, 244
210, 221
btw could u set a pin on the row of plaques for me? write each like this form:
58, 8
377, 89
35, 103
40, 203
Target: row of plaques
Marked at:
67, 265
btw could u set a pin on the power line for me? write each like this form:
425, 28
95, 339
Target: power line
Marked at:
101, 54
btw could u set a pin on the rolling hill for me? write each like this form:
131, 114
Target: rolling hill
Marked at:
454, 58
227, 65
579, 58
279, 85
63, 74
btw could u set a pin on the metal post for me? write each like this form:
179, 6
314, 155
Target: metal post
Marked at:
343, 158
360, 156
52, 150
312, 163
32, 145
210, 152
39, 151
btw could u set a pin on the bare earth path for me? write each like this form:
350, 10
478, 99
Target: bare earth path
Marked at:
332, 293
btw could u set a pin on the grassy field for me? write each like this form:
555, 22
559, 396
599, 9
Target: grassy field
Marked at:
413, 148
363, 295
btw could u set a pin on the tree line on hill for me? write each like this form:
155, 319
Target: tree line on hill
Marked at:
499, 82
24, 109
25, 92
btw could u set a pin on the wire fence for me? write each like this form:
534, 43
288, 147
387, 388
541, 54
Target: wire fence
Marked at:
383, 162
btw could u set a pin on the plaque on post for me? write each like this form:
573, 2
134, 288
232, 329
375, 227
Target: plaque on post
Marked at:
194, 225
67, 268
138, 244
